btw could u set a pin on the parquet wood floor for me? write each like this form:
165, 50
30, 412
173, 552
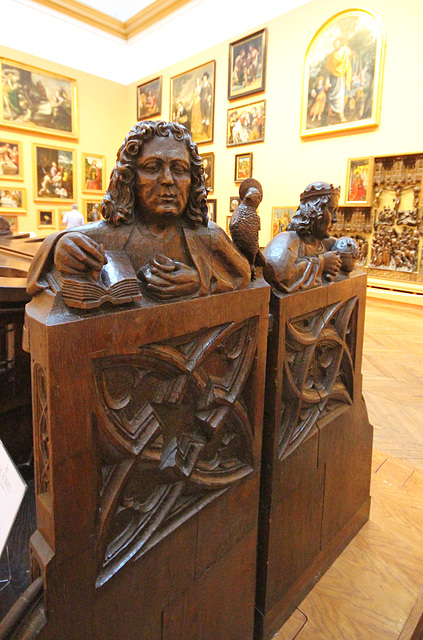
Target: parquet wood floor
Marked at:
374, 590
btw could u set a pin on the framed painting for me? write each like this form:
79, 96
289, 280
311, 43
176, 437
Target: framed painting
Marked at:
245, 124
91, 210
208, 166
192, 101
37, 100
281, 217
228, 219
94, 178
12, 220
46, 218
212, 207
247, 65
11, 160
243, 166
149, 99
54, 173
234, 202
343, 74
13, 200
359, 181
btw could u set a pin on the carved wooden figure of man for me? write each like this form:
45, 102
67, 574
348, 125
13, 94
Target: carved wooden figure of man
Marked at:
155, 211
301, 256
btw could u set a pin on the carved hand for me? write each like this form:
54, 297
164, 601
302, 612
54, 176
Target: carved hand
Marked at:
332, 263
167, 279
77, 253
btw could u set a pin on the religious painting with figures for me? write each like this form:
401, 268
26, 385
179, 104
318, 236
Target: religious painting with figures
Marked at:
11, 160
342, 74
149, 99
94, 172
359, 180
247, 65
54, 173
192, 101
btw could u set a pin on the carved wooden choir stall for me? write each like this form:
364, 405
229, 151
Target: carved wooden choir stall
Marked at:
148, 344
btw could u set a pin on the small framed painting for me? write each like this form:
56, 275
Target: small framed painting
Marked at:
228, 219
46, 218
94, 172
247, 65
11, 160
359, 181
91, 210
245, 124
149, 99
13, 200
212, 207
208, 166
234, 202
281, 217
54, 177
12, 220
243, 166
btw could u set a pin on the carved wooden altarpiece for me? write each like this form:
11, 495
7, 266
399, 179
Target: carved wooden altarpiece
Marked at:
147, 450
317, 443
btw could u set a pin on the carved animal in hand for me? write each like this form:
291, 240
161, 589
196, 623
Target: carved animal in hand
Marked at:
244, 225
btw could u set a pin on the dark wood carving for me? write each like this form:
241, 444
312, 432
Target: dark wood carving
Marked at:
41, 431
317, 444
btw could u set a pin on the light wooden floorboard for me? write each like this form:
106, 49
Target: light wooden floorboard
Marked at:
373, 591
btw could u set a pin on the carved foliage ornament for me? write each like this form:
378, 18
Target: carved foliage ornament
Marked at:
174, 433
318, 370
41, 437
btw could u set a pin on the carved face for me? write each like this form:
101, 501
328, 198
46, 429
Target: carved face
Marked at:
163, 179
326, 218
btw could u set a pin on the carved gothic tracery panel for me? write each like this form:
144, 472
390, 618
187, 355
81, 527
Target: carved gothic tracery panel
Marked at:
41, 437
174, 432
318, 370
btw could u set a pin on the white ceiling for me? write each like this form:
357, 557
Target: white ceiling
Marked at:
195, 27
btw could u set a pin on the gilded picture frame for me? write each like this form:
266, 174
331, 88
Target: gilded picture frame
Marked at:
46, 218
208, 166
247, 65
12, 199
93, 173
342, 79
91, 210
359, 181
212, 207
192, 101
281, 217
12, 220
234, 202
149, 98
246, 124
54, 174
11, 160
243, 166
36, 100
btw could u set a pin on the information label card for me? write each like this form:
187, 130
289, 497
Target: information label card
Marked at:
12, 491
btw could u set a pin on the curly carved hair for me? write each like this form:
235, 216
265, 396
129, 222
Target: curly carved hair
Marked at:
311, 207
118, 205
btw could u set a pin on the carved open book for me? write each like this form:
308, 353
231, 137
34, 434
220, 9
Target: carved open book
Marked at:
117, 283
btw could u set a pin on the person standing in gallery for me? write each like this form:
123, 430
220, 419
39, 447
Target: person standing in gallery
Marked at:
73, 218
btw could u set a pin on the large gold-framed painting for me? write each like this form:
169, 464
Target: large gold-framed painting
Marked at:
342, 81
37, 100
192, 101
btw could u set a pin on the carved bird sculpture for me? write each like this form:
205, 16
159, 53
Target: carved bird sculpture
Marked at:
244, 225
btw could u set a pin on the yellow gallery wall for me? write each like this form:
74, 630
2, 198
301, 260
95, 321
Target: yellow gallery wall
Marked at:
100, 106
284, 163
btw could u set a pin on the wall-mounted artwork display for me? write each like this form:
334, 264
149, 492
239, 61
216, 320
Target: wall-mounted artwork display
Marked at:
234, 202
37, 100
212, 207
12, 220
247, 65
245, 124
91, 210
228, 219
11, 160
94, 168
13, 200
343, 74
46, 218
192, 101
54, 173
243, 166
149, 99
359, 180
208, 166
281, 217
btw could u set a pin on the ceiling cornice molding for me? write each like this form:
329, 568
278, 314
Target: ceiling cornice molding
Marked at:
142, 20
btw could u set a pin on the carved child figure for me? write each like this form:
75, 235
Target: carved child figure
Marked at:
155, 211
301, 256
